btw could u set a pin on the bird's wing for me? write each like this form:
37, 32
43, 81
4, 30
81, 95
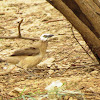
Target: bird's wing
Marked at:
31, 51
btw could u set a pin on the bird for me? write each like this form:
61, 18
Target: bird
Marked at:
29, 57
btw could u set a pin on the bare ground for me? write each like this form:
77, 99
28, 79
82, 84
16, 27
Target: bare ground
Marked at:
76, 68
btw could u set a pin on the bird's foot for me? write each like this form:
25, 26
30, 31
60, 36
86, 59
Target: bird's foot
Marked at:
28, 72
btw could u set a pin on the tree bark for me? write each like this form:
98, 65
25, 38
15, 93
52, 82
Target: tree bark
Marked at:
82, 13
89, 9
97, 2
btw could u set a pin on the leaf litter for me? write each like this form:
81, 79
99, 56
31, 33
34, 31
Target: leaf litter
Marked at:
66, 60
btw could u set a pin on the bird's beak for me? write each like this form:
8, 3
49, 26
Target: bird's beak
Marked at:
50, 35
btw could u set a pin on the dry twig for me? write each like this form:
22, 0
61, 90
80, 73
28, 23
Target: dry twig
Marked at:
19, 34
80, 44
54, 20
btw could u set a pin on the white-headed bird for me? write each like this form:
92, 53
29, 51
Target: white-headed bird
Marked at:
29, 57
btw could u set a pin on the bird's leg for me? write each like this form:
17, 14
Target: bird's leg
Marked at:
26, 71
30, 69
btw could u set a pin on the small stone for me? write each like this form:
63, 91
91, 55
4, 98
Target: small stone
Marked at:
51, 72
8, 45
94, 72
4, 68
47, 62
18, 89
91, 89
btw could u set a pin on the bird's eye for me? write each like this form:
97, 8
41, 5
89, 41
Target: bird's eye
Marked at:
45, 36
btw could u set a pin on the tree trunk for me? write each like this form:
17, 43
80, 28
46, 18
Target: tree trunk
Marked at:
97, 2
84, 13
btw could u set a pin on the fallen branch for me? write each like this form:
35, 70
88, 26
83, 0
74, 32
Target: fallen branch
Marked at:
19, 34
54, 20
16, 37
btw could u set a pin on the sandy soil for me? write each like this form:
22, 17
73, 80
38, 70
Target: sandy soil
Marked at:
76, 69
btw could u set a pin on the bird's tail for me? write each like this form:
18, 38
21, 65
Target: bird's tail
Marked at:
1, 60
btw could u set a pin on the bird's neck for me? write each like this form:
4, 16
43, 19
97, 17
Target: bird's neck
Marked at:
43, 47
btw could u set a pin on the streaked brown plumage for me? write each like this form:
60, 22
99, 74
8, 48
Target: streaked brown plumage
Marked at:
31, 51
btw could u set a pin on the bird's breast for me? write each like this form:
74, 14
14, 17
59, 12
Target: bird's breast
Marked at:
30, 61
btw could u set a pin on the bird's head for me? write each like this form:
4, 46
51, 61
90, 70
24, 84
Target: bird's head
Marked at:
45, 37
